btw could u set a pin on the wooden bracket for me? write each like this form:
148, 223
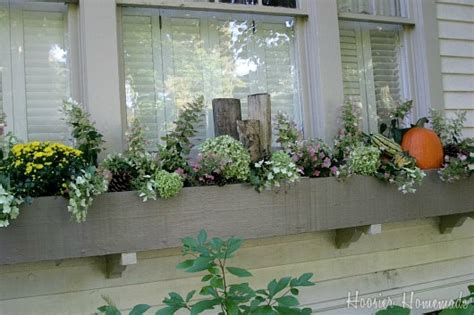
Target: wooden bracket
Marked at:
117, 263
447, 223
344, 237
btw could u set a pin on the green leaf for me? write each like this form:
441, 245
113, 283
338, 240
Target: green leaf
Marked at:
200, 264
302, 281
217, 283
464, 310
471, 288
289, 311
202, 306
274, 287
139, 309
170, 310
109, 310
265, 310
202, 237
206, 278
190, 295
239, 272
295, 291
394, 310
287, 301
185, 264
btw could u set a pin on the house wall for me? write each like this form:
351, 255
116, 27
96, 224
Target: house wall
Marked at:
456, 40
404, 257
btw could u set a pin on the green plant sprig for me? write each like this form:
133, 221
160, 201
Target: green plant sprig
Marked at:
211, 256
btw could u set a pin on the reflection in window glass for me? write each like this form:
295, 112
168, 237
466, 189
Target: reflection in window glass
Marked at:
280, 3
372, 67
34, 68
172, 57
372, 7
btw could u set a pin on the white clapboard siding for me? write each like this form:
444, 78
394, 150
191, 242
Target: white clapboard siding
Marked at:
45, 74
404, 257
384, 45
140, 75
456, 35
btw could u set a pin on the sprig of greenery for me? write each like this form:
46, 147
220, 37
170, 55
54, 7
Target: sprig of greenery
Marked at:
448, 129
177, 143
87, 138
218, 291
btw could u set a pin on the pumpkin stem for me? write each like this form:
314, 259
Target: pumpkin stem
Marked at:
421, 122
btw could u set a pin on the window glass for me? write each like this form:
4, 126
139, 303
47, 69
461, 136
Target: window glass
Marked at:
34, 68
372, 68
373, 7
170, 57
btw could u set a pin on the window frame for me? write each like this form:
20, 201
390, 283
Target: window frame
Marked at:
227, 10
16, 109
406, 58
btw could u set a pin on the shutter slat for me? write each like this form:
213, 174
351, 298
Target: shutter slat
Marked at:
385, 61
45, 74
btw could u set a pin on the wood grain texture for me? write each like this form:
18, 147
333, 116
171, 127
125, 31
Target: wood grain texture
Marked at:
226, 112
120, 222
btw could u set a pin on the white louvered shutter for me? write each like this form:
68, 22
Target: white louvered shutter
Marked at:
184, 56
274, 51
352, 64
385, 50
371, 70
45, 74
142, 82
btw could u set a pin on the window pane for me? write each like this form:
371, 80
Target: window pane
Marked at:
34, 68
172, 57
372, 69
373, 7
280, 3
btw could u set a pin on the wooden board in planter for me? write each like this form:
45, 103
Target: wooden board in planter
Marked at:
121, 222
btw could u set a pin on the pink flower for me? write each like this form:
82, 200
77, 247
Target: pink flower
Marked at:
462, 157
311, 152
327, 162
316, 173
321, 155
334, 170
179, 171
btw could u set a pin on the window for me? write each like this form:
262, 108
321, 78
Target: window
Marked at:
34, 68
272, 3
373, 7
375, 59
170, 57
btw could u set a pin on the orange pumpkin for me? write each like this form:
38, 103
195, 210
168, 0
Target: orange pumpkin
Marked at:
424, 145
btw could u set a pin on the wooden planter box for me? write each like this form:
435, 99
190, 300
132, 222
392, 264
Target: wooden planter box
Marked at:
121, 222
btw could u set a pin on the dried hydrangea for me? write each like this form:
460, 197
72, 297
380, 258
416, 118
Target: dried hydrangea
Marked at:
364, 160
235, 157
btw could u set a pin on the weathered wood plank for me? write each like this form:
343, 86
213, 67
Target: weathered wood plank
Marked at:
226, 113
120, 222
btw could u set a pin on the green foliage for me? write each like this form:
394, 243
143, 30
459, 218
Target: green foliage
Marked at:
280, 170
87, 138
9, 203
449, 130
177, 144
232, 154
288, 134
219, 292
82, 191
350, 135
168, 184
364, 160
394, 310
398, 115
312, 156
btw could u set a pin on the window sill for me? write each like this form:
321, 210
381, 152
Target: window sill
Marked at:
376, 18
122, 223
216, 7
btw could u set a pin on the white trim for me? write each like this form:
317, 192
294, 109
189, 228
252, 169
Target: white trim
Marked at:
215, 7
375, 18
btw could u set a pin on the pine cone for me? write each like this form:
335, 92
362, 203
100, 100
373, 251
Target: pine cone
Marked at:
120, 182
